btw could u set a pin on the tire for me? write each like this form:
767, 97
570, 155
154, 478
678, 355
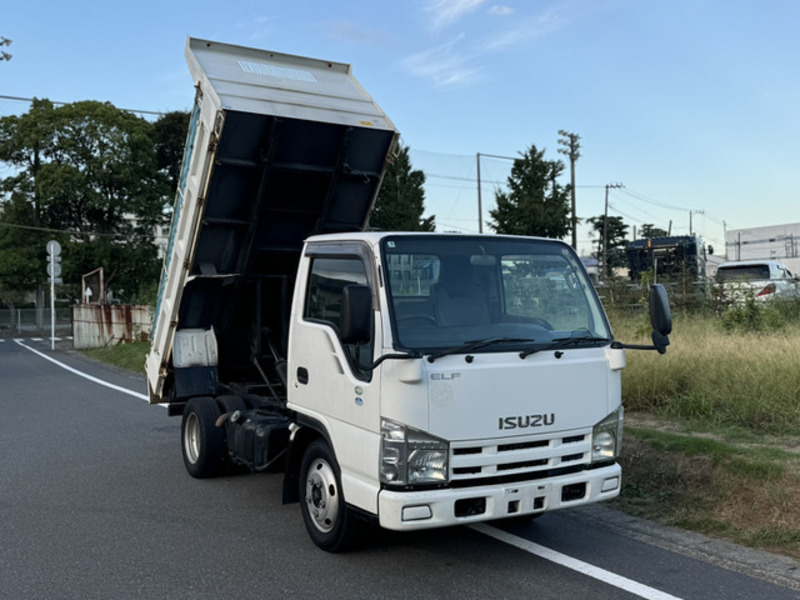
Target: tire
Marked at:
202, 442
330, 524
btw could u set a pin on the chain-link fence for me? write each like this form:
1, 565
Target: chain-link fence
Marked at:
28, 321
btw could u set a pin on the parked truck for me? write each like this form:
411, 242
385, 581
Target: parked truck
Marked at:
405, 379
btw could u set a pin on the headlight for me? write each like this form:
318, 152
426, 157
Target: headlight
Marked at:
409, 456
607, 437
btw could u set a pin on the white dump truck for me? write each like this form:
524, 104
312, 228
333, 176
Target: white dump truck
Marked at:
409, 380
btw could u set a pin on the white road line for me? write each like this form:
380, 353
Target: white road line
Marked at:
84, 375
608, 577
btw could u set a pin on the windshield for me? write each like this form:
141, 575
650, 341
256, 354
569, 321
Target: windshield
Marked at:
743, 273
489, 294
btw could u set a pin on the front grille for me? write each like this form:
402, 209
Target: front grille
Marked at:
517, 456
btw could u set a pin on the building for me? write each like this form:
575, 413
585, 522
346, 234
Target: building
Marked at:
773, 242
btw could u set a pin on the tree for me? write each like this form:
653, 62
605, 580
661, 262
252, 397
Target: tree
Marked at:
535, 204
22, 250
89, 171
4, 41
401, 199
169, 134
651, 231
617, 232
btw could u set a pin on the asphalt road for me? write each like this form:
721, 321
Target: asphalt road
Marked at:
95, 503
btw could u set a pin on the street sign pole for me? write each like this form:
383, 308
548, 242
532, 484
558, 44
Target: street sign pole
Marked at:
52, 303
54, 270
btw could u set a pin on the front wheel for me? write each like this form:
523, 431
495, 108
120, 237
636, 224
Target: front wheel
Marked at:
203, 443
329, 522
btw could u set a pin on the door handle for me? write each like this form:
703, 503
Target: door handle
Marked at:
302, 375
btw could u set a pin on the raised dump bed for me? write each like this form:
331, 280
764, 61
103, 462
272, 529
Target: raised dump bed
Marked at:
280, 147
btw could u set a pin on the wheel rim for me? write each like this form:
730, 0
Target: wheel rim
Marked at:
322, 495
191, 437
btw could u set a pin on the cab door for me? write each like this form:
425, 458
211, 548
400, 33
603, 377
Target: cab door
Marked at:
332, 382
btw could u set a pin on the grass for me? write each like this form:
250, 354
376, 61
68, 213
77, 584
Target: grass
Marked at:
126, 356
714, 378
748, 495
715, 446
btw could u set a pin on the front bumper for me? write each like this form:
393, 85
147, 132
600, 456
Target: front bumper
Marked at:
405, 511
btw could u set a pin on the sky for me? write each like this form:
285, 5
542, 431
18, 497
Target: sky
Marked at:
692, 105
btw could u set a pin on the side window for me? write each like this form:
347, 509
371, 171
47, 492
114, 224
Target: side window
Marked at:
329, 277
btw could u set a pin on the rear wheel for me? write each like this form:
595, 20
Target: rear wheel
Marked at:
328, 520
203, 443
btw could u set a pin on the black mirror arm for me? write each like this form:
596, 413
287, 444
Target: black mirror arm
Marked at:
384, 357
662, 348
615, 345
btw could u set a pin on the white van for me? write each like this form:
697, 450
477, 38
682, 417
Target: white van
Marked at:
762, 279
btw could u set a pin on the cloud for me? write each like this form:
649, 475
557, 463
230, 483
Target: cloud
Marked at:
501, 10
350, 32
443, 65
529, 29
443, 13
462, 59
257, 28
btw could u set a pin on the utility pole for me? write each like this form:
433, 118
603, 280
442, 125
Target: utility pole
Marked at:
605, 228
571, 148
692, 212
480, 205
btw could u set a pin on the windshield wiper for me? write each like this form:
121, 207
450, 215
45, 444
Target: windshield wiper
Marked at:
564, 342
477, 344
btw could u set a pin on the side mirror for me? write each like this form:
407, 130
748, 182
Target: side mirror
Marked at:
356, 318
660, 317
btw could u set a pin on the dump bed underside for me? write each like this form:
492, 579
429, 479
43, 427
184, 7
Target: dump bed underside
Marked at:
274, 183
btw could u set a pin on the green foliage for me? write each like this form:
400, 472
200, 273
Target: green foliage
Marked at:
752, 317
536, 204
616, 231
401, 199
126, 356
93, 177
169, 134
713, 378
686, 444
651, 231
22, 251
740, 492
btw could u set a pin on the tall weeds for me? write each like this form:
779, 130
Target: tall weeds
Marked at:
717, 374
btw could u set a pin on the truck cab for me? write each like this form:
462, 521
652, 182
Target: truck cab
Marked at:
483, 384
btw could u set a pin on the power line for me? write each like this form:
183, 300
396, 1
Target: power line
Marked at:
644, 198
56, 102
76, 233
